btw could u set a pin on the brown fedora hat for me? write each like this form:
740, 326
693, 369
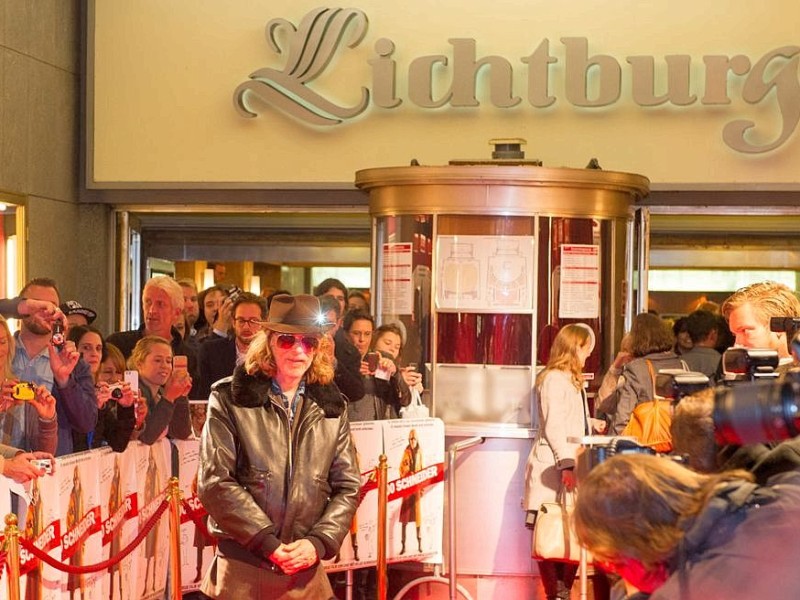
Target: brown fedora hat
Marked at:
295, 314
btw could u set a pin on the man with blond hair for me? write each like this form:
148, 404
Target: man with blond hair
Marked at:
749, 310
162, 304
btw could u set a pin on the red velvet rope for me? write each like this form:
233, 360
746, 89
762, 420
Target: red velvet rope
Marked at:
198, 522
79, 569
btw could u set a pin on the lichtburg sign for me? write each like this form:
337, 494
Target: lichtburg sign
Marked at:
312, 46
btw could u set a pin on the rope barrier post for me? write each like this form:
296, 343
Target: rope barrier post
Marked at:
383, 500
174, 495
451, 508
12, 558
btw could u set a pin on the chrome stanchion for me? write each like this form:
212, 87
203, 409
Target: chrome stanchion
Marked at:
451, 579
451, 503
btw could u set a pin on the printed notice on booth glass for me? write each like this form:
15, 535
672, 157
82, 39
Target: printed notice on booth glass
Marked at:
398, 290
579, 296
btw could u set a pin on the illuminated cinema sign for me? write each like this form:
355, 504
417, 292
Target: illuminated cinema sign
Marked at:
312, 45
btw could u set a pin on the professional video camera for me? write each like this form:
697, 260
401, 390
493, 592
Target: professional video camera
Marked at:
760, 410
749, 364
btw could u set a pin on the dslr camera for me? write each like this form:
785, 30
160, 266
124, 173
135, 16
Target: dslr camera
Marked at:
675, 384
24, 390
791, 325
758, 411
749, 364
598, 449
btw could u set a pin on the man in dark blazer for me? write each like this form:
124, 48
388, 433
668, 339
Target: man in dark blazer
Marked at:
219, 356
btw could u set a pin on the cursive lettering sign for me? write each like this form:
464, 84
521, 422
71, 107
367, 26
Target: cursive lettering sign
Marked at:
590, 81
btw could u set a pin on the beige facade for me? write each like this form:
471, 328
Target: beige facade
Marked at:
39, 146
289, 94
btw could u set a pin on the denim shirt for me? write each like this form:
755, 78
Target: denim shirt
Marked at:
76, 402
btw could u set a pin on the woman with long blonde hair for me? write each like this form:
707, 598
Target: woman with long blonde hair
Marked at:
563, 415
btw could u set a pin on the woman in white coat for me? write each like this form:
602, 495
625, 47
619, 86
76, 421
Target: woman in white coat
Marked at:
563, 414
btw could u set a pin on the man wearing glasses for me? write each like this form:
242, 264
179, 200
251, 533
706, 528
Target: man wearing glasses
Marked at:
218, 357
278, 471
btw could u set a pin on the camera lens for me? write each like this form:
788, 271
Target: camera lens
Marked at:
755, 412
116, 393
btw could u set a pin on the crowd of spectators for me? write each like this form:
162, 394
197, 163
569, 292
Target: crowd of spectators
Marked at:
84, 389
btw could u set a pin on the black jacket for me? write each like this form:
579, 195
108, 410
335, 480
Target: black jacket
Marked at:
348, 367
216, 360
262, 489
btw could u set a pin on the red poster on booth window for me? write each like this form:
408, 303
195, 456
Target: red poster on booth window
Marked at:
579, 286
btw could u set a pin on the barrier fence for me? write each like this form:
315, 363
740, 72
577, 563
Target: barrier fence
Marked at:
103, 511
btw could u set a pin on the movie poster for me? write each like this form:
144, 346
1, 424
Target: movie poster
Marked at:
39, 513
197, 549
153, 467
360, 545
79, 493
415, 455
60, 513
414, 450
120, 525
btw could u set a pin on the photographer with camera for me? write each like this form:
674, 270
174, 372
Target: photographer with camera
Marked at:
749, 311
115, 398
44, 357
218, 357
27, 412
673, 533
385, 391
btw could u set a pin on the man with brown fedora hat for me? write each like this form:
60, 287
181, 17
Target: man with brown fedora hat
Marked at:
279, 414
296, 314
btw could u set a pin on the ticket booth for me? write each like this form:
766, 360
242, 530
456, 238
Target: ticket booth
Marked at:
481, 263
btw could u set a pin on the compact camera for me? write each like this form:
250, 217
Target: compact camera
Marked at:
24, 390
116, 390
58, 335
43, 463
234, 292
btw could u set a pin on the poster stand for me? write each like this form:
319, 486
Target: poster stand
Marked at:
452, 576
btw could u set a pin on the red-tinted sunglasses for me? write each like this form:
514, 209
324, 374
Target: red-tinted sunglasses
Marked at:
287, 341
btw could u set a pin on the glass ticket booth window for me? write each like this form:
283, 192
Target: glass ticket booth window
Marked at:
482, 296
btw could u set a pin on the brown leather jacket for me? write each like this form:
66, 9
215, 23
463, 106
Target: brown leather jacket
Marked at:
261, 490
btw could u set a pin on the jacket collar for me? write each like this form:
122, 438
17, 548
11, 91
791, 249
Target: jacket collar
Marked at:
253, 390
726, 508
